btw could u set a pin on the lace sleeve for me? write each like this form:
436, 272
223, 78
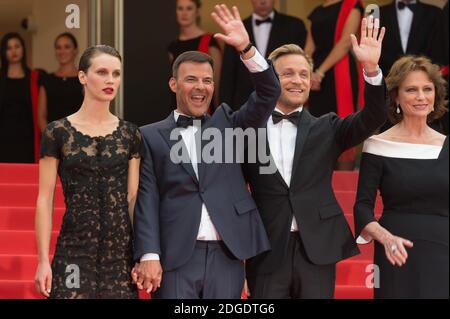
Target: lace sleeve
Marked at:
49, 143
135, 151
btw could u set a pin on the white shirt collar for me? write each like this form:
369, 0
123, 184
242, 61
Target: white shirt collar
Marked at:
176, 115
299, 109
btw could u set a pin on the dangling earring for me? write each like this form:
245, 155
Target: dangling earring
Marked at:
398, 109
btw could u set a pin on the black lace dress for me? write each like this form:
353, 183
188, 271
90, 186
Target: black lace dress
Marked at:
93, 257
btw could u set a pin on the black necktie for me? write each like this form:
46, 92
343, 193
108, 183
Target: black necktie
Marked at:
186, 121
267, 20
293, 117
402, 5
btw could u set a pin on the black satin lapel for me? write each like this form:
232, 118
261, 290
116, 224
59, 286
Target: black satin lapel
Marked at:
416, 24
277, 173
302, 132
248, 23
274, 32
395, 28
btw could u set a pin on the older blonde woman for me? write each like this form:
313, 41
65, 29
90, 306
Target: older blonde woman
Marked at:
409, 165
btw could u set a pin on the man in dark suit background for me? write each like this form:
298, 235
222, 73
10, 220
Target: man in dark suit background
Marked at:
268, 30
196, 221
413, 28
307, 230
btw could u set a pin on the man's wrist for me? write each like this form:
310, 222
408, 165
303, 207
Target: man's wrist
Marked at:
244, 49
372, 71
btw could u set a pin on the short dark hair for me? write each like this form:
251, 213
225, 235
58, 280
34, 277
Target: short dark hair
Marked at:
70, 36
398, 73
92, 52
191, 56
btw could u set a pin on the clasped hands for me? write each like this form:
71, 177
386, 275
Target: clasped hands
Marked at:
147, 275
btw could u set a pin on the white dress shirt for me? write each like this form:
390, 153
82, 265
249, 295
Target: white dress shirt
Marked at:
262, 32
282, 137
405, 18
207, 230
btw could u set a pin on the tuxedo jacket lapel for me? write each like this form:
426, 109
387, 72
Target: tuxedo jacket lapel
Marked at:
274, 32
394, 27
277, 173
416, 24
304, 126
165, 132
248, 23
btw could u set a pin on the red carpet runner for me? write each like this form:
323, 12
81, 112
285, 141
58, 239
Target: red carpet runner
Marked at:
18, 194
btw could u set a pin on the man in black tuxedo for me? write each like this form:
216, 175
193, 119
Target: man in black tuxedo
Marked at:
307, 230
268, 30
196, 221
413, 28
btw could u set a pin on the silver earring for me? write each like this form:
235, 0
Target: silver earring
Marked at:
398, 109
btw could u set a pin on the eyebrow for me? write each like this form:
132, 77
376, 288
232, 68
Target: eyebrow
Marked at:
195, 77
103, 68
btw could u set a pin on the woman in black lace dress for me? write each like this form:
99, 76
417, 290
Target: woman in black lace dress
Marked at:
97, 158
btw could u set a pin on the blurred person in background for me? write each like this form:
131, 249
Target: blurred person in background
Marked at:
62, 94
193, 38
336, 79
19, 93
268, 30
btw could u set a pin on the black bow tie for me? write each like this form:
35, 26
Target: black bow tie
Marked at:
293, 117
402, 5
267, 20
186, 121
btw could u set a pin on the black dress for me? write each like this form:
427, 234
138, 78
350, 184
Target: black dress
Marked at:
16, 121
323, 23
95, 240
64, 96
413, 181
177, 47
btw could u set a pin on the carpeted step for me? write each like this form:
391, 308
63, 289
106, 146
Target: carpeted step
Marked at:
353, 292
19, 173
13, 289
15, 242
22, 218
25, 195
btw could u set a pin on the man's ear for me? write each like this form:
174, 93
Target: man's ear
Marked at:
173, 84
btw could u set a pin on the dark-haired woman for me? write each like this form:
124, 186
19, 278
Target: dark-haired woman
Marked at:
63, 93
193, 38
409, 165
19, 94
97, 158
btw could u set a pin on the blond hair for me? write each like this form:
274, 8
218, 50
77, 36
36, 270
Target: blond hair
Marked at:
288, 49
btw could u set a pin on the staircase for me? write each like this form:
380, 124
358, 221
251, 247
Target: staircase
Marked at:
18, 252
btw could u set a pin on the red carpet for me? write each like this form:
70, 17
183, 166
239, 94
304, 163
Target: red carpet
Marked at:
18, 194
